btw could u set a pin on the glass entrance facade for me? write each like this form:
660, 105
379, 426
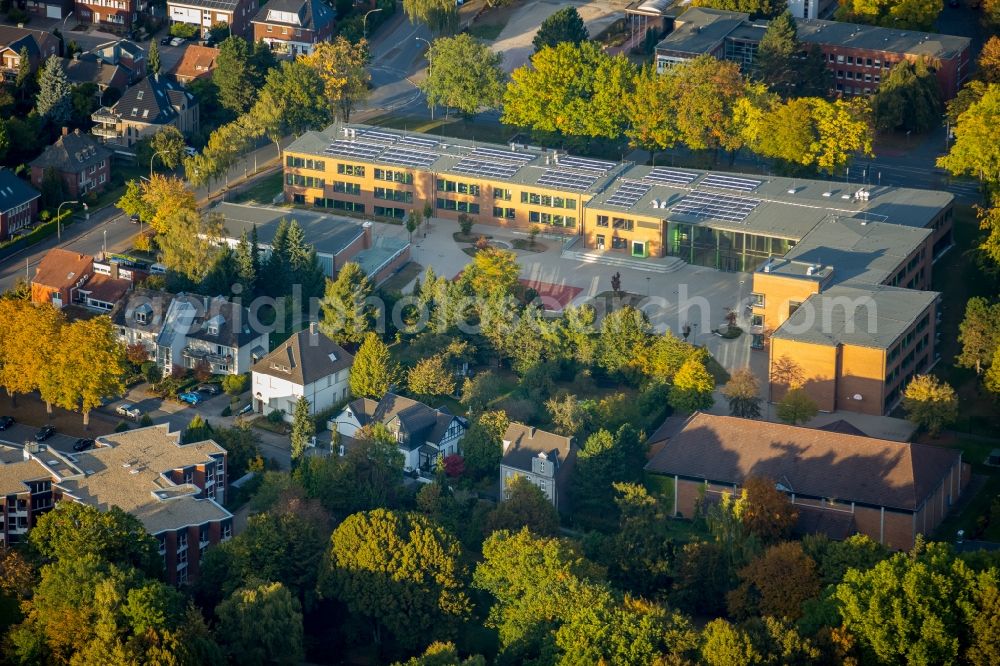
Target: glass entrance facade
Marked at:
723, 250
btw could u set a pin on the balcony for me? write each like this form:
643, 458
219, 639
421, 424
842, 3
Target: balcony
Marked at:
105, 132
104, 116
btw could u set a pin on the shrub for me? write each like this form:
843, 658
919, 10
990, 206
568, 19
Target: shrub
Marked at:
203, 370
185, 30
146, 421
121, 427
227, 411
465, 223
235, 384
276, 416
151, 372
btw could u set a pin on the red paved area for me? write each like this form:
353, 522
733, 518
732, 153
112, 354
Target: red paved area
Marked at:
553, 296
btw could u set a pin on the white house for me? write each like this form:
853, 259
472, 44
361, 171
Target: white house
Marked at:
307, 364
543, 458
424, 434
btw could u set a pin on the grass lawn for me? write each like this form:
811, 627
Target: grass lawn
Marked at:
454, 127
262, 423
263, 190
491, 22
487, 31
528, 245
402, 277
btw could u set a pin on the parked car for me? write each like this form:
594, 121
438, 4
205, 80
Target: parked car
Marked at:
189, 397
177, 41
247, 408
44, 433
166, 41
209, 389
82, 444
129, 410
6, 422
134, 219
189, 151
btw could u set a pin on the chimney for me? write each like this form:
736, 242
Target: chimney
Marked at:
313, 328
65, 131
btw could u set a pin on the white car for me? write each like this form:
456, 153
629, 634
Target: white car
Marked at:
129, 410
176, 41
189, 151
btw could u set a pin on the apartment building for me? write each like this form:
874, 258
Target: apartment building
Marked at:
80, 160
177, 491
841, 484
204, 14
858, 56
151, 104
294, 27
115, 16
19, 203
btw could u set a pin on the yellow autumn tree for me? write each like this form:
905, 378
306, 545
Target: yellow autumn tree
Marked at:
26, 346
343, 68
89, 366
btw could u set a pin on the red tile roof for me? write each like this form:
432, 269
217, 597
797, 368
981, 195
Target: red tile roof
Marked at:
62, 268
197, 61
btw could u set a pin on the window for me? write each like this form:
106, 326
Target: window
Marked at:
602, 221
868, 62
351, 170
618, 243
757, 300
757, 320
868, 78
501, 193
394, 176
393, 195
338, 204
840, 59
346, 188
621, 223
304, 181
396, 213
840, 73
793, 306
878, 63
503, 213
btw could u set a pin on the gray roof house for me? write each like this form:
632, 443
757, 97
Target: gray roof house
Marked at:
543, 458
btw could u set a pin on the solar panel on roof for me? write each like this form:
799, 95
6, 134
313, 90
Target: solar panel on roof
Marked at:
354, 149
375, 135
670, 176
730, 182
407, 157
628, 194
585, 163
484, 168
568, 179
715, 206
419, 141
507, 155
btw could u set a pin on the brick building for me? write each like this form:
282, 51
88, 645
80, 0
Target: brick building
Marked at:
82, 162
19, 204
145, 108
294, 26
116, 16
207, 13
858, 56
197, 62
842, 484
176, 490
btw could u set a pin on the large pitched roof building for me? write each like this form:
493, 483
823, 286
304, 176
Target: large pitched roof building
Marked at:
83, 163
543, 458
294, 26
146, 107
19, 204
890, 491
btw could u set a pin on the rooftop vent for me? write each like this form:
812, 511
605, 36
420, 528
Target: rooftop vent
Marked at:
828, 194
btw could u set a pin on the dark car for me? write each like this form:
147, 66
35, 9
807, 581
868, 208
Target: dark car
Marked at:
44, 433
6, 422
166, 41
210, 389
134, 219
83, 444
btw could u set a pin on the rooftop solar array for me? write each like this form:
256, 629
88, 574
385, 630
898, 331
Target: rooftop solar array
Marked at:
730, 182
490, 169
601, 166
407, 157
505, 155
419, 141
628, 193
375, 135
670, 176
366, 151
572, 180
716, 206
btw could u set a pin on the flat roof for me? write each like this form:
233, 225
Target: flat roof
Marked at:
853, 249
458, 158
701, 29
768, 205
855, 313
887, 40
329, 234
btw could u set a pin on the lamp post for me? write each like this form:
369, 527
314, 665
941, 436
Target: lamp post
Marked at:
105, 244
364, 22
429, 65
59, 221
159, 152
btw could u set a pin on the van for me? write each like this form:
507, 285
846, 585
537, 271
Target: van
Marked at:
158, 269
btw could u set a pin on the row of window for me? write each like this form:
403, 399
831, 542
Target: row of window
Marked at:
615, 222
393, 195
546, 200
504, 213
555, 220
457, 186
336, 204
856, 76
304, 181
303, 163
343, 187
859, 61
394, 176
461, 206
384, 211
356, 170
501, 193
853, 90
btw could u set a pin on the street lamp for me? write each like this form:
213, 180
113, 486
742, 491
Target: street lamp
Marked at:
59, 221
159, 152
364, 22
429, 64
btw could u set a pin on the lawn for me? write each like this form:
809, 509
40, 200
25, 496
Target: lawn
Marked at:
402, 277
263, 190
455, 127
491, 21
487, 31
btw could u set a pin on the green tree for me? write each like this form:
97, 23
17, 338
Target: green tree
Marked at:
374, 372
479, 391
640, 555
53, 188
492, 271
705, 92
401, 571
775, 63
796, 407
743, 392
168, 145
303, 428
292, 100
524, 505
153, 59
90, 365
442, 654
482, 445
467, 75
930, 403
604, 460
54, 93
413, 220
908, 99
567, 414
189, 242
625, 335
347, 316
262, 625
248, 263
234, 75
974, 150
440, 16
979, 334
431, 377
565, 25
906, 15
757, 8
692, 387
23, 81
342, 66
73, 531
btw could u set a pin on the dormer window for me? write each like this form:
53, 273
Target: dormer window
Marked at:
138, 94
214, 324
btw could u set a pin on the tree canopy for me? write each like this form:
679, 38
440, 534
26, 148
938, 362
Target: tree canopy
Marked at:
565, 25
908, 99
465, 75
975, 152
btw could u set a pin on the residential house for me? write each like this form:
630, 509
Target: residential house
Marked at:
308, 364
858, 56
841, 483
204, 14
83, 163
114, 16
123, 53
89, 68
50, 9
177, 491
543, 458
151, 104
294, 26
185, 330
19, 204
424, 434
197, 61
14, 39
63, 278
